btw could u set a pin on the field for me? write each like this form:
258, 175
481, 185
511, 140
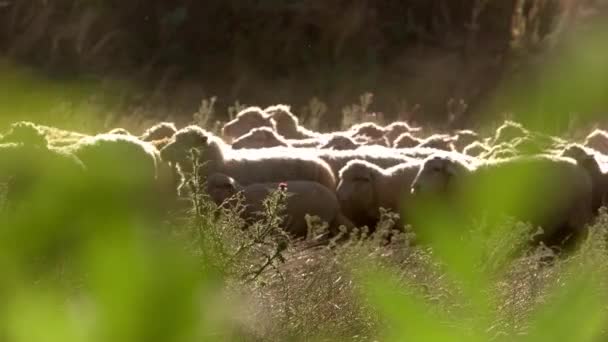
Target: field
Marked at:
79, 274
96, 261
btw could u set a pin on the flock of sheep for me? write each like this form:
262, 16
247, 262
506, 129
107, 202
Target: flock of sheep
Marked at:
344, 178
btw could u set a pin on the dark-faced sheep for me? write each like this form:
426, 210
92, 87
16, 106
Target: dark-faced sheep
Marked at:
302, 198
364, 188
551, 192
598, 140
396, 129
406, 140
246, 166
246, 120
287, 124
262, 137
340, 142
159, 131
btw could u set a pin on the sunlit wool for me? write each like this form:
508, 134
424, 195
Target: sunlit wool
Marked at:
247, 166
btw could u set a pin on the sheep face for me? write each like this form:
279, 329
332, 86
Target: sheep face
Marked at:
283, 121
221, 187
244, 122
356, 190
176, 151
435, 175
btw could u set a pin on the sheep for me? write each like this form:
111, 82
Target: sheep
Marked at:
367, 129
438, 141
104, 152
159, 131
586, 158
555, 192
396, 129
246, 166
29, 168
286, 124
126, 171
303, 197
406, 140
340, 142
27, 160
597, 140
47, 135
246, 120
25, 132
476, 149
508, 131
464, 138
261, 137
364, 188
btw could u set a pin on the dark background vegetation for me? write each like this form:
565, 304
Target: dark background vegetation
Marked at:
413, 55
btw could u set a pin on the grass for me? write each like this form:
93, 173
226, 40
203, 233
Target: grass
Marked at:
200, 276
